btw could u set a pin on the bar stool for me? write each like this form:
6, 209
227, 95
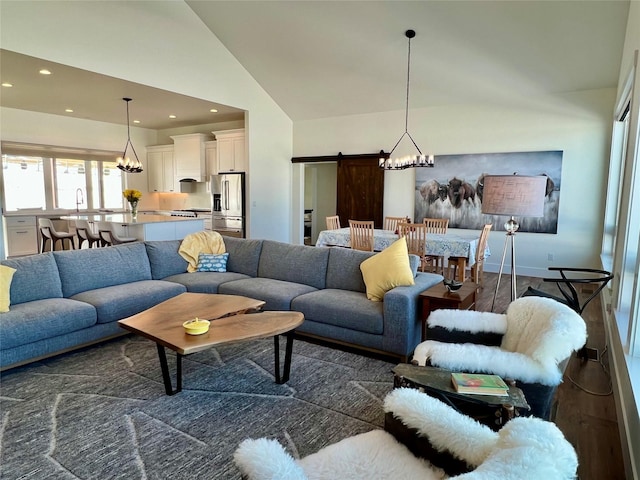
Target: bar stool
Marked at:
48, 232
109, 237
85, 234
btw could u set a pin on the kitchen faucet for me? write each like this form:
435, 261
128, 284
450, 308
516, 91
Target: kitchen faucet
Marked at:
79, 199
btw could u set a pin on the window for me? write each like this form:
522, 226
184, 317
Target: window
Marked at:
19, 171
621, 239
70, 180
67, 180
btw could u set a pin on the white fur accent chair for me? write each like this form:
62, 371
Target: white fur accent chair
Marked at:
538, 336
525, 448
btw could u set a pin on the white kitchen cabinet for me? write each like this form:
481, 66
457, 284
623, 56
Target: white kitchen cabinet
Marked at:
189, 155
161, 171
22, 236
231, 150
211, 158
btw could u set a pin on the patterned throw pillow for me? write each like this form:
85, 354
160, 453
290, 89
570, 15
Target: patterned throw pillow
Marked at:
212, 262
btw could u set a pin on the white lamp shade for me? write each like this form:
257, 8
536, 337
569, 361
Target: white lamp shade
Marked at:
514, 195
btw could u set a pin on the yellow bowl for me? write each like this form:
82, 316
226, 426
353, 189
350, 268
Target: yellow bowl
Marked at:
196, 326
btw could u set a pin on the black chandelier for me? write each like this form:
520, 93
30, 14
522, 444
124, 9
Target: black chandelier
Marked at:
387, 162
124, 162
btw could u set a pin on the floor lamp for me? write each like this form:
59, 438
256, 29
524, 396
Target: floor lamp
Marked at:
515, 196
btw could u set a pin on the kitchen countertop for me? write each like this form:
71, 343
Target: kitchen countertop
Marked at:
125, 218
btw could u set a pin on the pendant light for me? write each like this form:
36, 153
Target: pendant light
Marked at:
124, 162
407, 161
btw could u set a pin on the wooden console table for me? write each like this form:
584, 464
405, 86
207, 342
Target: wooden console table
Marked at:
438, 297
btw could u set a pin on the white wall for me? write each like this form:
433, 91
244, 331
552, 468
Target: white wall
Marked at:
578, 123
165, 45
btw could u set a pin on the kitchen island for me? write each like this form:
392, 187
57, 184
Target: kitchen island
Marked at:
144, 227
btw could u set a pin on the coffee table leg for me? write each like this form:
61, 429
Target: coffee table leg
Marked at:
164, 366
287, 357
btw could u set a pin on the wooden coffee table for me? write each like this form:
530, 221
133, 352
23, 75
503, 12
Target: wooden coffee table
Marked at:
233, 319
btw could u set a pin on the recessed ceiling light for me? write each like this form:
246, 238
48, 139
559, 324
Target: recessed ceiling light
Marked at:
213, 110
172, 116
68, 110
44, 71
7, 84
136, 121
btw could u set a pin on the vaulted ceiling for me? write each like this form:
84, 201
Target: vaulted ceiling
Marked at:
331, 58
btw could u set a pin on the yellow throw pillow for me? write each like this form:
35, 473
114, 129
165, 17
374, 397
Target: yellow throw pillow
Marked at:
386, 270
6, 275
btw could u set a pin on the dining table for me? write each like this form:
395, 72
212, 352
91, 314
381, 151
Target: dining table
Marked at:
461, 246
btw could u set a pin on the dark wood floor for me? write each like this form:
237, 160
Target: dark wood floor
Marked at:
588, 420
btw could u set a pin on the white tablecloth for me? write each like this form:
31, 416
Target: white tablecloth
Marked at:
448, 245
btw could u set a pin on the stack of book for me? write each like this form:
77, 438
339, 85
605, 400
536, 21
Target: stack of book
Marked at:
480, 384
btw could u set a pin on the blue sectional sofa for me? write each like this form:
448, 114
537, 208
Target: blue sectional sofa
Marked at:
63, 300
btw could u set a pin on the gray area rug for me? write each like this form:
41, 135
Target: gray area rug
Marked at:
101, 413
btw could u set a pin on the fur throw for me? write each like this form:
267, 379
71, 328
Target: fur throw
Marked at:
525, 448
540, 333
468, 321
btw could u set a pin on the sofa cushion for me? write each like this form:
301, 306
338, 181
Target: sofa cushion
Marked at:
386, 270
41, 319
6, 275
36, 278
205, 282
294, 263
82, 270
164, 258
121, 301
244, 255
276, 293
343, 269
342, 308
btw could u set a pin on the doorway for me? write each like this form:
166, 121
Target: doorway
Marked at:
360, 190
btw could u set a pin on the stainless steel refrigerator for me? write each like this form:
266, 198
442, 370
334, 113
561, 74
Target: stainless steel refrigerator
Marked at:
228, 211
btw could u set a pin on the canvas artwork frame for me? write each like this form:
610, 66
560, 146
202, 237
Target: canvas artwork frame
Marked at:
453, 188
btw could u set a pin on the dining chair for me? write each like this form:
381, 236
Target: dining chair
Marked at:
361, 235
477, 269
391, 223
416, 235
85, 234
49, 232
109, 237
438, 226
333, 222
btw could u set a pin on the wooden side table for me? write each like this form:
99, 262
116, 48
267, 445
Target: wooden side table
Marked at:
438, 297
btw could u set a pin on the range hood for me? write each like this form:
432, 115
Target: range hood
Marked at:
188, 185
189, 157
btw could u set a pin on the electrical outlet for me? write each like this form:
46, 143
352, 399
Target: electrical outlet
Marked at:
550, 257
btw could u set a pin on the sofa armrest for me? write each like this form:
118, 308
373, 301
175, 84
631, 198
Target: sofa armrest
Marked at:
401, 311
266, 459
